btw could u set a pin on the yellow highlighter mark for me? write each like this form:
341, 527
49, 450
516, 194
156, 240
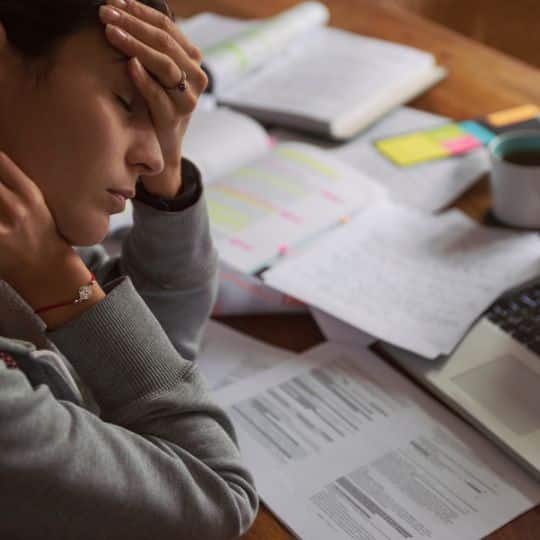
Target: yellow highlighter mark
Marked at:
272, 179
242, 196
223, 217
231, 48
292, 154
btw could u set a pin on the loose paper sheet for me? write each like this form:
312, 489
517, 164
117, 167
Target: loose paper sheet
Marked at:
415, 280
227, 356
343, 447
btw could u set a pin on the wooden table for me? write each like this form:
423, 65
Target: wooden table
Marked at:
481, 80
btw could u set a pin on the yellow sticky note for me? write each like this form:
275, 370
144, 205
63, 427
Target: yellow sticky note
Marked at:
513, 116
413, 148
445, 133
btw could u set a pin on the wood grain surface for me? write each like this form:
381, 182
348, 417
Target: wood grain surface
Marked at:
481, 80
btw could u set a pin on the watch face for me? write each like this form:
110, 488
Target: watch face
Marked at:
85, 292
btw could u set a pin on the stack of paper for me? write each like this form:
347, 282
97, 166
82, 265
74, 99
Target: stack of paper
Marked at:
343, 447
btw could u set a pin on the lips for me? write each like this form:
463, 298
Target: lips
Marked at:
126, 193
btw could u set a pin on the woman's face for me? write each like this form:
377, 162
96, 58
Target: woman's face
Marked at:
80, 133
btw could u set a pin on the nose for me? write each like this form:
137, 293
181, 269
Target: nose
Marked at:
144, 154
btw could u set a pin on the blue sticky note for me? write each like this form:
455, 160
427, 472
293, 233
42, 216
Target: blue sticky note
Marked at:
476, 130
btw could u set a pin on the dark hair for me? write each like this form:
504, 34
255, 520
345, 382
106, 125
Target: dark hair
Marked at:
35, 28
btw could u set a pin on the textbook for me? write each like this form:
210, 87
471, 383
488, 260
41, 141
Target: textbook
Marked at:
292, 70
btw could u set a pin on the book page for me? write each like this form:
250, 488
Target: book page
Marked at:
288, 197
220, 141
232, 48
343, 447
430, 186
329, 75
415, 280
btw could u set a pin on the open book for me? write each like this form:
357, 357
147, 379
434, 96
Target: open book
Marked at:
269, 194
291, 70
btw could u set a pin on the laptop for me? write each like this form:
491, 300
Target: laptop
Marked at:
493, 377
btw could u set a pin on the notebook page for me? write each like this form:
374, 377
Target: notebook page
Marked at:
222, 140
237, 48
412, 279
328, 74
280, 201
343, 447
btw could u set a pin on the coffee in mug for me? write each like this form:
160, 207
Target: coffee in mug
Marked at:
515, 178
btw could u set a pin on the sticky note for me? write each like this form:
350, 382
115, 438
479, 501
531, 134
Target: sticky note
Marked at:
513, 116
462, 144
411, 148
477, 130
445, 133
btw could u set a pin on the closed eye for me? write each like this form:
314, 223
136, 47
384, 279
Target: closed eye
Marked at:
125, 104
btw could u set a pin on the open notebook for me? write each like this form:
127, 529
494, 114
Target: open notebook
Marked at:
292, 70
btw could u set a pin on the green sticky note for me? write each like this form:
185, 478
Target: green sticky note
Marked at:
412, 148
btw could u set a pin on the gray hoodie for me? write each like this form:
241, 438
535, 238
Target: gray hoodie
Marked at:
107, 430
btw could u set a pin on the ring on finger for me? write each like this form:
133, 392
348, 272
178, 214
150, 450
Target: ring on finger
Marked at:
182, 85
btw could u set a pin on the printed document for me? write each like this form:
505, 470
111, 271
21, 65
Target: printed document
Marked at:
416, 280
227, 356
343, 447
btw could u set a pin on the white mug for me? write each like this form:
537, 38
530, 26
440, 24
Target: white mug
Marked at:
515, 188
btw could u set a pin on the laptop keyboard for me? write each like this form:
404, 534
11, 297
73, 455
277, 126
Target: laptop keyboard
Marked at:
518, 314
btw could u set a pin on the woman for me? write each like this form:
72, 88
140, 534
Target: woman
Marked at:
106, 428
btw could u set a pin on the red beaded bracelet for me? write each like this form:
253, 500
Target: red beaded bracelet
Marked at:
84, 294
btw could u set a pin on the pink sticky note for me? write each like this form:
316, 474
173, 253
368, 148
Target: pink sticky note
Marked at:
461, 144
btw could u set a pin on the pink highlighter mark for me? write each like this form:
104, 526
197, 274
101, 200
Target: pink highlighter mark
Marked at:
291, 217
461, 144
331, 196
283, 249
241, 244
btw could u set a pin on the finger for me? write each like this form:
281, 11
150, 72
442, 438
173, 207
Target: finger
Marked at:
159, 20
8, 201
158, 63
162, 108
15, 179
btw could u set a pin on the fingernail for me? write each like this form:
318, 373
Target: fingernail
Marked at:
110, 13
119, 3
117, 31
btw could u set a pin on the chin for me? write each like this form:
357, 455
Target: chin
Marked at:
86, 234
